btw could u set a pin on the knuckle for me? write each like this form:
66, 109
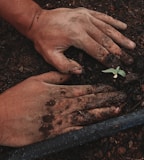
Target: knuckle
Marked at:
109, 30
82, 9
106, 40
82, 15
32, 79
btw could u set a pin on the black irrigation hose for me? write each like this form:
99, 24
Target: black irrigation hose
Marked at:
75, 138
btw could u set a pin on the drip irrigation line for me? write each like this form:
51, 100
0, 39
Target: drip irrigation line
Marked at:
76, 138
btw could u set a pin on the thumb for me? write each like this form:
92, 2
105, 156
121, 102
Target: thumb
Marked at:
53, 77
62, 63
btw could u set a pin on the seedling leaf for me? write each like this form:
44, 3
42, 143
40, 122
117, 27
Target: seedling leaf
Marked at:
110, 70
118, 69
122, 73
115, 72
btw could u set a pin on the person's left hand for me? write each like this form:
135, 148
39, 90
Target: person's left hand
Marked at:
54, 31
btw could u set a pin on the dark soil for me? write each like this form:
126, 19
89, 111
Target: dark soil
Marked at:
19, 60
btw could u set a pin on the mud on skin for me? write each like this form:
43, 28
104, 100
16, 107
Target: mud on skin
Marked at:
114, 61
78, 112
46, 125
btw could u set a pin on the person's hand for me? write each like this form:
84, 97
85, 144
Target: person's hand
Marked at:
37, 108
54, 31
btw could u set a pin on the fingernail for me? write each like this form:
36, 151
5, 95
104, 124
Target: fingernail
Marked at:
117, 110
77, 70
124, 25
132, 44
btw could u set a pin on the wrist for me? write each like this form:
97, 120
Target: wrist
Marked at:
35, 26
21, 15
24, 21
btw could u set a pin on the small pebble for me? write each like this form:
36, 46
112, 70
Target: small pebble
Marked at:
130, 144
121, 150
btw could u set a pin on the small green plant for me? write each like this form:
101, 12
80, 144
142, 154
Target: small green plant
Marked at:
115, 72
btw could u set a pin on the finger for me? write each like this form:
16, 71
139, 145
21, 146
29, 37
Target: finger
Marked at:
93, 48
96, 101
103, 39
77, 120
53, 77
94, 115
109, 20
102, 88
109, 44
63, 64
113, 33
107, 99
86, 102
79, 90
97, 51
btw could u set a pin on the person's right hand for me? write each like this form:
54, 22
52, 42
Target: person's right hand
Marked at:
37, 108
54, 31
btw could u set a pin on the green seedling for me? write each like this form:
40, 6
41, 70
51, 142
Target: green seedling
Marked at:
115, 72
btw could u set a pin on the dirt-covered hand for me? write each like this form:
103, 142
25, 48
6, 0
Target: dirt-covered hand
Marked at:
37, 109
54, 31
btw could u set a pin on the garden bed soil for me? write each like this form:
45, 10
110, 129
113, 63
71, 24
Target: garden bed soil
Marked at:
19, 60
